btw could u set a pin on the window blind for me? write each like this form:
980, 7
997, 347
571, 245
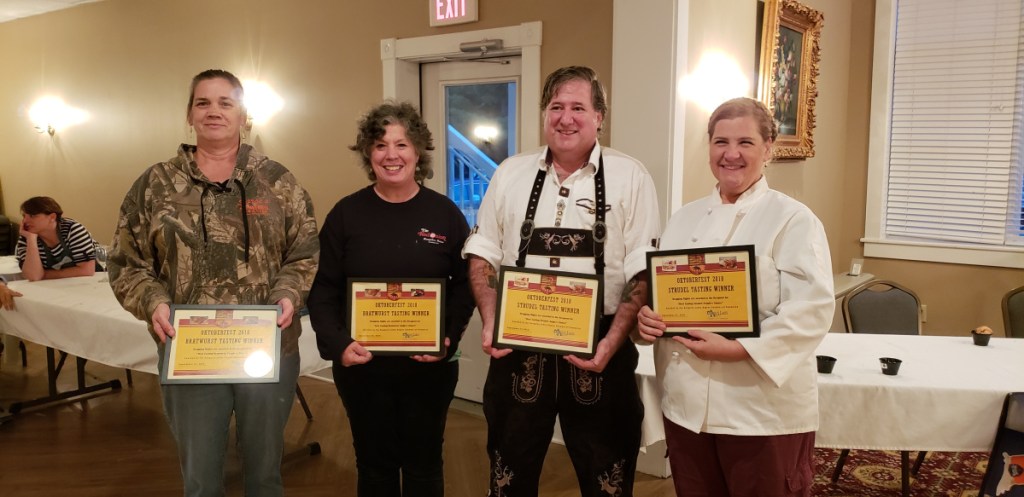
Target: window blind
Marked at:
954, 147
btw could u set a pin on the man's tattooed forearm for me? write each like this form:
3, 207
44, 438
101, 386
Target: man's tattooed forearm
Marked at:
629, 290
492, 277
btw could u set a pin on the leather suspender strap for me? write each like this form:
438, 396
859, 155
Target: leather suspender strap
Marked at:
526, 230
600, 228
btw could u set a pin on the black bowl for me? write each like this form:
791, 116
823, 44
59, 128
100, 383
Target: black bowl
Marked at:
825, 364
890, 365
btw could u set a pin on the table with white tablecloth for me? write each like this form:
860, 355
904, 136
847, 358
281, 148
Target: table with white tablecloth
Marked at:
947, 396
81, 317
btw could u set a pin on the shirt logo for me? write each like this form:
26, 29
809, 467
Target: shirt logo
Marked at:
588, 204
431, 237
257, 206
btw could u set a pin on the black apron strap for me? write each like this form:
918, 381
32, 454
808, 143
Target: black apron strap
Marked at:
600, 228
526, 230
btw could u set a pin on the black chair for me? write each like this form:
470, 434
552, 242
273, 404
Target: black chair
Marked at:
8, 241
1006, 462
1013, 313
8, 235
883, 307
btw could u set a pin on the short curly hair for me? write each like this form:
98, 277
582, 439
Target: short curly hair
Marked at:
373, 126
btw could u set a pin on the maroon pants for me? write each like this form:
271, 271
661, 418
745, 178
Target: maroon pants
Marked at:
709, 465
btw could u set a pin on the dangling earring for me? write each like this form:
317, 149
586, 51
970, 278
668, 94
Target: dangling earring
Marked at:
246, 130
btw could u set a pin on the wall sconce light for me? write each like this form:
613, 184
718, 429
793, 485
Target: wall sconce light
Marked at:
487, 134
716, 78
51, 114
261, 101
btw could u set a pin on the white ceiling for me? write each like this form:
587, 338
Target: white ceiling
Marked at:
15, 9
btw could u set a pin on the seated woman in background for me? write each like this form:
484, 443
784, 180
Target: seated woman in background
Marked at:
52, 246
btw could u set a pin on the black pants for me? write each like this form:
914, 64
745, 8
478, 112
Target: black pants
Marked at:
600, 417
397, 412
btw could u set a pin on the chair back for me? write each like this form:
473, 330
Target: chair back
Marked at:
1006, 462
882, 307
8, 235
1013, 313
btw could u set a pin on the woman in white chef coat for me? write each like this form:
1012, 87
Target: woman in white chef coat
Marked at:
740, 415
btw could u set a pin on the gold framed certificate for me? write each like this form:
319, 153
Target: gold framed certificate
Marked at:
398, 316
223, 344
548, 311
711, 289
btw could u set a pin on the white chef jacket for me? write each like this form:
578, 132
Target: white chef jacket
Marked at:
633, 220
775, 392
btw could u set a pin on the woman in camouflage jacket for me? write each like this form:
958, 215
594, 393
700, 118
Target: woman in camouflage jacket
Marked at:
219, 224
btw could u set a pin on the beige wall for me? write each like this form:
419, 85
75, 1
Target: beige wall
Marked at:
819, 182
128, 63
726, 27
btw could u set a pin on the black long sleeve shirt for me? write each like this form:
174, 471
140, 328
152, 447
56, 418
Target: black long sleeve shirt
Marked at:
366, 236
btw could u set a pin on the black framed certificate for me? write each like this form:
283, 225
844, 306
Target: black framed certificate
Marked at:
398, 316
710, 289
548, 311
223, 344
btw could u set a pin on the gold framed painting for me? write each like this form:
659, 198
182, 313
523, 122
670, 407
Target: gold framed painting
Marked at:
788, 74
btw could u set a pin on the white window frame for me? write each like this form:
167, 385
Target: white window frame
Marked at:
875, 242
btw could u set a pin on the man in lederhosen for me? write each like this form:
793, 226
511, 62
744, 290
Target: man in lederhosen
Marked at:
572, 206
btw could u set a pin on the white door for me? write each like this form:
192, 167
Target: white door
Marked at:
472, 108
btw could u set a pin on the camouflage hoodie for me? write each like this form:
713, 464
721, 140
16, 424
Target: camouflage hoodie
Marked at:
182, 239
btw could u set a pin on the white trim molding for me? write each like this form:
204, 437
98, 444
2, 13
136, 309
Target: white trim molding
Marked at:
401, 59
995, 256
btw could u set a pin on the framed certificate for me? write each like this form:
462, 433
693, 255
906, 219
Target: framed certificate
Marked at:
398, 316
710, 289
223, 344
548, 311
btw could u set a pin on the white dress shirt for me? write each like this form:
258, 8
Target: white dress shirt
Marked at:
633, 219
774, 392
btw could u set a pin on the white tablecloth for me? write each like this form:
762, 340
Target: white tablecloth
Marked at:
947, 397
82, 317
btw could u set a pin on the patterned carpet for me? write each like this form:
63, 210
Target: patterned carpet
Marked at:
877, 474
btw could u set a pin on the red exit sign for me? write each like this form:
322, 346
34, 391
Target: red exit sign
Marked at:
445, 12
